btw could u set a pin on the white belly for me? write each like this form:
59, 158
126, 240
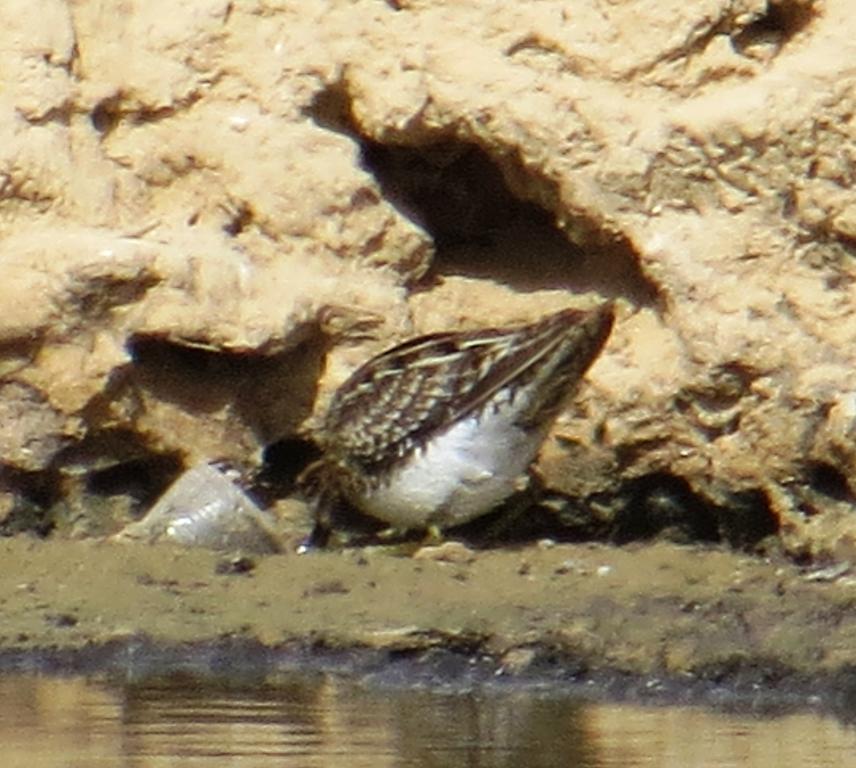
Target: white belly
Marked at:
462, 473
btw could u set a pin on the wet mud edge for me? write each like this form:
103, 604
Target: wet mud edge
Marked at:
657, 622
755, 687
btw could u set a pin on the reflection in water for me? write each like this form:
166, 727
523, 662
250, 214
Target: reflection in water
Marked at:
312, 721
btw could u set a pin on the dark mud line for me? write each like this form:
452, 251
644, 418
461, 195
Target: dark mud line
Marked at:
752, 687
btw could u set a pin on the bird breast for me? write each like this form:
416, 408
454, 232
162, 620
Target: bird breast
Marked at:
459, 474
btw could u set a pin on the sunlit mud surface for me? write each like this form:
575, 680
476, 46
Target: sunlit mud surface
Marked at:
656, 611
321, 720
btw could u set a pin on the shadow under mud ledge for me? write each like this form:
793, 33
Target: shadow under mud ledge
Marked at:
488, 213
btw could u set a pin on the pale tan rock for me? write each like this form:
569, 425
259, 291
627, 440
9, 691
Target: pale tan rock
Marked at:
447, 552
183, 198
32, 432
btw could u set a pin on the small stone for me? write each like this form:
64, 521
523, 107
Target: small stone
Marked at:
832, 573
845, 222
329, 587
62, 620
517, 660
447, 552
238, 565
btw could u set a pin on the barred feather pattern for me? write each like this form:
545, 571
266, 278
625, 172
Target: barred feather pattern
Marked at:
393, 404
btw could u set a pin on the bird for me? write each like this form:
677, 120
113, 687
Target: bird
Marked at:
442, 429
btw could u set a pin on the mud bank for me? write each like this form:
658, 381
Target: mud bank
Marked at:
645, 618
215, 217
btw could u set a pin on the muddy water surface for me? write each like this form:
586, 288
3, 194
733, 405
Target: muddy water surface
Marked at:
323, 721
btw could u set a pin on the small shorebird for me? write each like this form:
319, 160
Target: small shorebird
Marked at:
442, 428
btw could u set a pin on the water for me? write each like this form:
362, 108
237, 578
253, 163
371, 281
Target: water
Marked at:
320, 720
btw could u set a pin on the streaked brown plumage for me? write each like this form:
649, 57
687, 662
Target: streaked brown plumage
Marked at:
435, 431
